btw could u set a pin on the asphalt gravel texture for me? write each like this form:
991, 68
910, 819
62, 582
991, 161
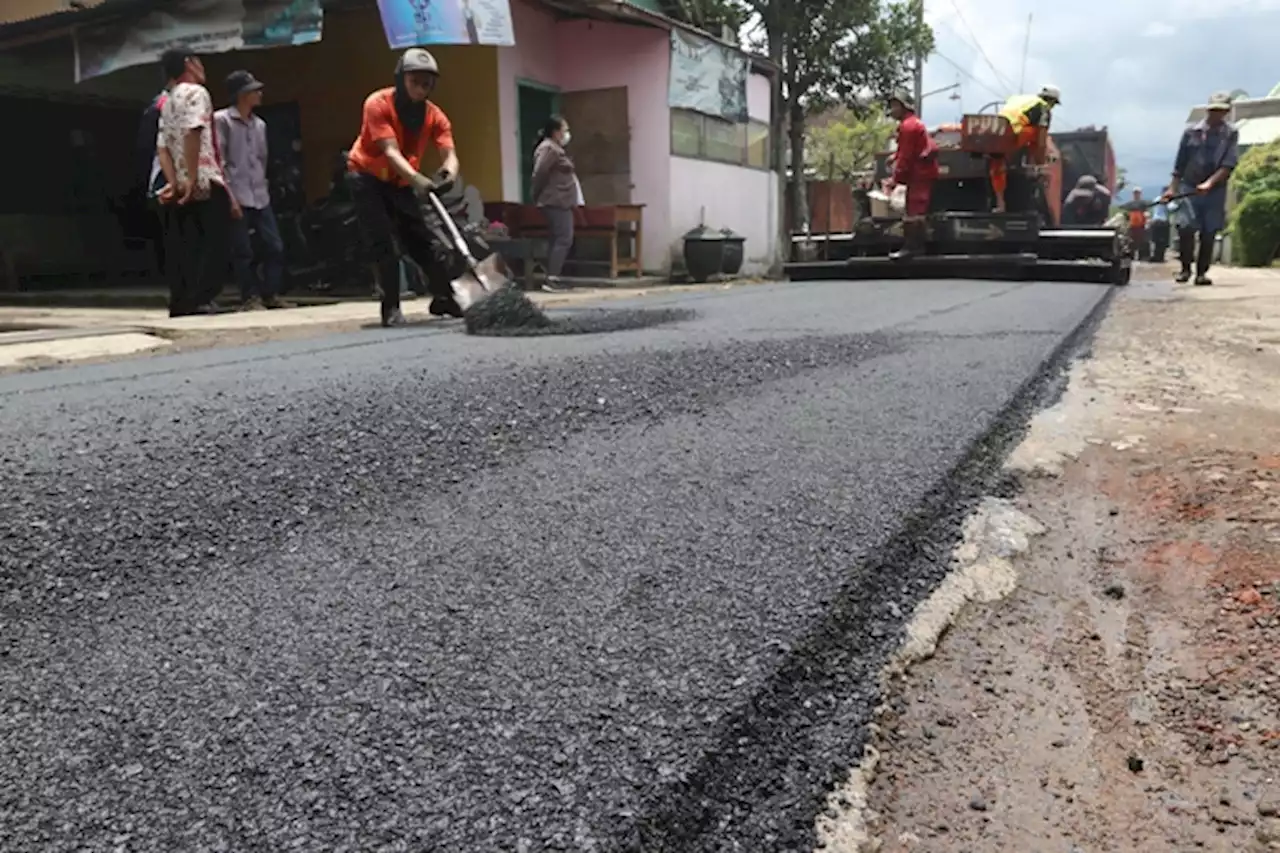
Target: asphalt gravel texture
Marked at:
509, 313
411, 590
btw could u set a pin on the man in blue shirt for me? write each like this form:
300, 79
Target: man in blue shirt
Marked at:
1207, 154
1159, 232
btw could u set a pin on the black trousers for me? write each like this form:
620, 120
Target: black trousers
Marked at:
197, 253
1189, 252
1159, 240
388, 213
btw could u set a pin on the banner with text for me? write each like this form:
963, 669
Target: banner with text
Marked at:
201, 26
412, 23
707, 77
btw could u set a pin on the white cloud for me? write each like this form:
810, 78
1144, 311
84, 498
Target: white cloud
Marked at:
1159, 30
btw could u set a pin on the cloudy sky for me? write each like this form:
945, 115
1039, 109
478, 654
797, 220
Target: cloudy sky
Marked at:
1136, 66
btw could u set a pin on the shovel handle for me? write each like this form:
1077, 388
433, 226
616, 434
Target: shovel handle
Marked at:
450, 226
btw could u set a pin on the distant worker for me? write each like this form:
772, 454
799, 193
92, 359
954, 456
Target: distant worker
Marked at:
915, 166
1029, 116
1159, 232
1207, 154
1088, 203
1136, 210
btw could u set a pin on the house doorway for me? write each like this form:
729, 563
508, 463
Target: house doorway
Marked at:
535, 104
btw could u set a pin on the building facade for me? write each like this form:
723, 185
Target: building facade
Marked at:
604, 66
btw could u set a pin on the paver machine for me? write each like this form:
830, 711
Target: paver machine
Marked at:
967, 238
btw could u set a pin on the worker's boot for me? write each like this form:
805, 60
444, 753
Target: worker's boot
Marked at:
913, 240
1186, 254
1204, 258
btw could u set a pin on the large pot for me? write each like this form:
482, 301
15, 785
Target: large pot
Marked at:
734, 252
703, 253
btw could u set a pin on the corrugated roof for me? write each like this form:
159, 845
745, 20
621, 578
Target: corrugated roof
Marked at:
53, 17
12, 11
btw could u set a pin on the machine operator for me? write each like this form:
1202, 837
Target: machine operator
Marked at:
1088, 203
1029, 117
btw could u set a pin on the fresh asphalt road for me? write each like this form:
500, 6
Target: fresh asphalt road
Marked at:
410, 590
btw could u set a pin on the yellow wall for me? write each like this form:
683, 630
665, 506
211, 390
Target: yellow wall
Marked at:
330, 80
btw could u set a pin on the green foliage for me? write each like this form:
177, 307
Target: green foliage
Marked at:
1258, 170
847, 140
835, 51
1257, 228
708, 15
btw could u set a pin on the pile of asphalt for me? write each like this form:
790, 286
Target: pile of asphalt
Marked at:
632, 600
510, 313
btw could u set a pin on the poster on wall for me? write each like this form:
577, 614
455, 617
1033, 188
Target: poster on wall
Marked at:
707, 77
201, 26
413, 23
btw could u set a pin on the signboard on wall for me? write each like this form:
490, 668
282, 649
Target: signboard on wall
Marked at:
412, 23
201, 26
707, 77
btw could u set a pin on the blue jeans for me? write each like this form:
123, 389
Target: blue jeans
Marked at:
263, 222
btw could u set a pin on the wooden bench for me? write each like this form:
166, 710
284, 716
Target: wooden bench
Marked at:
611, 223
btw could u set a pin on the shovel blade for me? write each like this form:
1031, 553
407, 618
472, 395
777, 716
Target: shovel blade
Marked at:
486, 277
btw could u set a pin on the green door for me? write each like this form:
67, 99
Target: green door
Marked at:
536, 104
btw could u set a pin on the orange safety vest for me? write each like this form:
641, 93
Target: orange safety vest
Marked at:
1137, 219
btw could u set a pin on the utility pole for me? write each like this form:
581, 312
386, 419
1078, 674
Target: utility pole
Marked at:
920, 58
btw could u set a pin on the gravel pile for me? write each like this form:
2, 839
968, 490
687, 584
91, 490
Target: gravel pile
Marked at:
632, 600
510, 313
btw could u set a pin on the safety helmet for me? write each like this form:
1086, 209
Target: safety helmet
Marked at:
1051, 93
1087, 182
417, 59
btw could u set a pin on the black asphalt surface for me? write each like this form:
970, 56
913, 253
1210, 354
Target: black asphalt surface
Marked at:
412, 590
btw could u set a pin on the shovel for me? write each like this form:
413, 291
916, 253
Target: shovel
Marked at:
481, 278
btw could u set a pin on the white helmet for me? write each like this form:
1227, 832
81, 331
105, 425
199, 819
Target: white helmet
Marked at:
1051, 93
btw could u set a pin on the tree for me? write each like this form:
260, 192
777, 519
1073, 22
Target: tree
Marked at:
849, 142
708, 15
836, 52
1258, 170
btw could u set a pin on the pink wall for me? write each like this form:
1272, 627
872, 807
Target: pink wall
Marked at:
577, 55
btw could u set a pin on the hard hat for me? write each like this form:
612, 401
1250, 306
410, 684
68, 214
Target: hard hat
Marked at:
903, 98
1051, 93
1087, 182
416, 59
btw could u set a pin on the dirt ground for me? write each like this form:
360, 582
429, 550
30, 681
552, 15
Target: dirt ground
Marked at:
1125, 696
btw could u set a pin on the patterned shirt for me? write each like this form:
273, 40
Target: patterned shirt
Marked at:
188, 108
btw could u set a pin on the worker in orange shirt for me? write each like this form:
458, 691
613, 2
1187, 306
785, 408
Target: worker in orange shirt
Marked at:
915, 166
1137, 210
1029, 116
396, 126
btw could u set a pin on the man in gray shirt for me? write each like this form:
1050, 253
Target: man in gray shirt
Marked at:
242, 146
1207, 155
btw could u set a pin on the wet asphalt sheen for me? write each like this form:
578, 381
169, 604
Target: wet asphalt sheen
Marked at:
412, 590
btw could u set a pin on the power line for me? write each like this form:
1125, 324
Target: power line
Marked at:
960, 68
978, 46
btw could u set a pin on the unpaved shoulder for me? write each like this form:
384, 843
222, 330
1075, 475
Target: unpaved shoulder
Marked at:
1125, 695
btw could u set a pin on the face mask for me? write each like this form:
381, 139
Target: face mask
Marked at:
567, 136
